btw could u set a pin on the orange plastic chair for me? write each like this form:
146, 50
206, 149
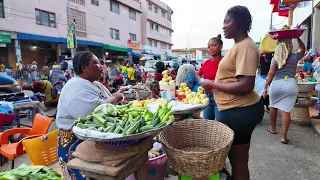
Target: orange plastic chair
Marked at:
40, 126
42, 150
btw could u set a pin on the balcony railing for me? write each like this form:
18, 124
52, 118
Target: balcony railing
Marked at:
81, 2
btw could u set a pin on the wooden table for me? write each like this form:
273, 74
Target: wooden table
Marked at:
136, 165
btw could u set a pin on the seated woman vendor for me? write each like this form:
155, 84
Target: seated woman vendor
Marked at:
307, 67
79, 97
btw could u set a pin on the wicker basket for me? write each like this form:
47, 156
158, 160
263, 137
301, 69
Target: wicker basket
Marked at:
197, 148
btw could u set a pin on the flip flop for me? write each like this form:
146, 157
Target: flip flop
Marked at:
270, 131
284, 141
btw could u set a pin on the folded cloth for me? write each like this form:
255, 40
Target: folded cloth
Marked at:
281, 54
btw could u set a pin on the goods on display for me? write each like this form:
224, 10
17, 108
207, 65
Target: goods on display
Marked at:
305, 77
188, 97
156, 151
167, 86
27, 172
125, 119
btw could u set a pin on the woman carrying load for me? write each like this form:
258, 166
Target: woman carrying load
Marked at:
283, 89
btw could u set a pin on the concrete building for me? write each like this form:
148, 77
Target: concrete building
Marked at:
156, 28
184, 53
36, 30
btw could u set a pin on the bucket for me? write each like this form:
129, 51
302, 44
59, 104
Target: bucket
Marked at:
156, 168
167, 92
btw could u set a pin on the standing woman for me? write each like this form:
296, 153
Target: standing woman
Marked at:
79, 97
209, 71
240, 107
283, 89
159, 68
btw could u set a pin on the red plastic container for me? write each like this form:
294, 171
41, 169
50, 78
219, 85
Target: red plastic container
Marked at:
6, 119
181, 97
286, 34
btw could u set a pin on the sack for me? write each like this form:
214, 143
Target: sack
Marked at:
54, 92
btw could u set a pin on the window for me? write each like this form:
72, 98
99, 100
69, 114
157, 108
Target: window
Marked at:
114, 7
155, 43
114, 34
1, 9
169, 16
45, 18
163, 14
150, 7
157, 27
163, 46
80, 18
132, 14
169, 47
156, 10
151, 25
170, 32
133, 37
95, 2
150, 42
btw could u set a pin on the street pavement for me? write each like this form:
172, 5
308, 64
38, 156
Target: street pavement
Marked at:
269, 159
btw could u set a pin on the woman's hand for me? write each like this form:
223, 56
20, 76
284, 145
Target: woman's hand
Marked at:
119, 96
265, 92
207, 84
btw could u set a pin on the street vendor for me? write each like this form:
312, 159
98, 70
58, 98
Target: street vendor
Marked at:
159, 68
174, 71
240, 107
42, 86
187, 74
79, 97
283, 85
209, 71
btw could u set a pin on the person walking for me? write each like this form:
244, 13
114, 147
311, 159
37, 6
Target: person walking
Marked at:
209, 71
240, 107
283, 86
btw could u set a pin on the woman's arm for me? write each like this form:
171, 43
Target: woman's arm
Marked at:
198, 75
302, 47
115, 98
270, 76
244, 85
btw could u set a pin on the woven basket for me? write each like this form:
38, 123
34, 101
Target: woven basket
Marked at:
197, 148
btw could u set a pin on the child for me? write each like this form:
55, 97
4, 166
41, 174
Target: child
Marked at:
155, 90
307, 67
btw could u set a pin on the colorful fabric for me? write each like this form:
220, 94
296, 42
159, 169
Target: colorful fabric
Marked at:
67, 144
56, 73
307, 67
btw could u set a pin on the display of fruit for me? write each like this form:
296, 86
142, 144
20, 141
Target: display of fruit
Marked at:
192, 97
166, 80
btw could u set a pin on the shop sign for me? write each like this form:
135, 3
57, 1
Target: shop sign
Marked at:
147, 56
292, 1
70, 41
163, 57
5, 38
133, 44
146, 49
12, 34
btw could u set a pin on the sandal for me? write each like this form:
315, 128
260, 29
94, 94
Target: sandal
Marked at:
284, 141
270, 130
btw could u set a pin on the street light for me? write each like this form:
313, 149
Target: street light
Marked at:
190, 35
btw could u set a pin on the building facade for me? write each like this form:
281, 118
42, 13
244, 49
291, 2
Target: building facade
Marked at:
192, 53
36, 30
156, 28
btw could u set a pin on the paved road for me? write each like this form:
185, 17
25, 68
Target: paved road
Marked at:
269, 159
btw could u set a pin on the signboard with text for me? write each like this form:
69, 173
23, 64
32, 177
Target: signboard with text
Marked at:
133, 44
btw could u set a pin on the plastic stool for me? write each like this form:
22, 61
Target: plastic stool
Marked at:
215, 176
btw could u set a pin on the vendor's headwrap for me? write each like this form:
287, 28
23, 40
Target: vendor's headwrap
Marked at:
186, 73
282, 51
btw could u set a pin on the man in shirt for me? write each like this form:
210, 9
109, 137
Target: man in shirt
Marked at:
174, 72
130, 75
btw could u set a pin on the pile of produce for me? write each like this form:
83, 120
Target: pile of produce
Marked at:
305, 77
192, 97
144, 103
166, 80
125, 119
27, 172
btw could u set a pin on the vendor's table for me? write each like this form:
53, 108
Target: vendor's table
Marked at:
33, 105
136, 165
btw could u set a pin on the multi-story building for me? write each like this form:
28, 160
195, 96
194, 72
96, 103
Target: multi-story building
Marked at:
191, 53
36, 30
156, 28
